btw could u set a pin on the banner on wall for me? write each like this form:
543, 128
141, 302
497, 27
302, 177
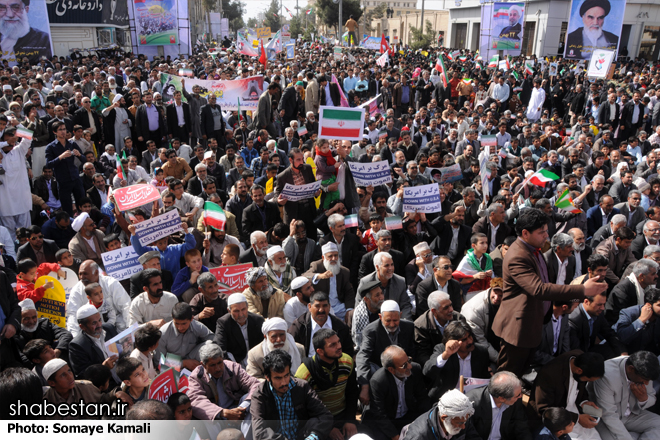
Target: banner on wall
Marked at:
98, 12
227, 93
593, 25
31, 30
507, 27
156, 22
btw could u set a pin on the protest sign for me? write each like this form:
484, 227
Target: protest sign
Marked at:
372, 43
226, 92
171, 361
294, 193
123, 342
450, 174
53, 304
424, 198
470, 383
488, 140
290, 51
436, 174
392, 223
263, 32
158, 227
70, 279
163, 386
370, 173
121, 263
600, 62
134, 196
231, 279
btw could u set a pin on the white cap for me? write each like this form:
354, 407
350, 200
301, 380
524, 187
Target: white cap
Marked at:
390, 306
298, 282
273, 250
236, 298
58, 89
6, 87
421, 247
52, 367
79, 221
86, 311
27, 304
272, 324
329, 247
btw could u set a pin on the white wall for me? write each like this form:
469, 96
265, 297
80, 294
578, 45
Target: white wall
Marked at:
66, 38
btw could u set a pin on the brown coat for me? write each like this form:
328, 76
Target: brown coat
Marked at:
619, 259
520, 318
552, 381
275, 306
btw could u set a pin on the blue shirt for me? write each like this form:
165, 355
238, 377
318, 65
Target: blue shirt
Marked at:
405, 94
65, 170
249, 155
170, 258
362, 85
286, 411
182, 281
152, 115
349, 83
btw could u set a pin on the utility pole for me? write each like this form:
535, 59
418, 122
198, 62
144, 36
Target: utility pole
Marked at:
422, 17
340, 28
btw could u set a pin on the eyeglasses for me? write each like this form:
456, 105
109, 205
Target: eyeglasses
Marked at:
38, 237
405, 364
425, 256
16, 7
445, 267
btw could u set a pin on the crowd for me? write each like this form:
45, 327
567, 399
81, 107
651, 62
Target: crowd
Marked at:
499, 316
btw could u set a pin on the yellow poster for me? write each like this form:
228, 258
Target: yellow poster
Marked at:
269, 186
311, 163
53, 304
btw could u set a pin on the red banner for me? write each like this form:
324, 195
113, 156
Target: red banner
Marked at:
163, 386
231, 279
183, 384
134, 196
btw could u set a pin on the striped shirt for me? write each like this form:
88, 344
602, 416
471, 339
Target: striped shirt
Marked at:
333, 398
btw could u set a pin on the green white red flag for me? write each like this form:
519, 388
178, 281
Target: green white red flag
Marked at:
442, 71
565, 202
214, 216
541, 177
341, 123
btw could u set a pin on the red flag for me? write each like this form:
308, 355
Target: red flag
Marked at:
262, 58
384, 47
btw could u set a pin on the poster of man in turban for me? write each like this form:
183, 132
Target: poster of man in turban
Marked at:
508, 19
593, 24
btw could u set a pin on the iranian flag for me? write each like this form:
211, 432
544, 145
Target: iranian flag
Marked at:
565, 202
462, 59
341, 123
504, 64
120, 168
309, 11
493, 61
467, 81
302, 130
479, 58
24, 133
440, 67
214, 216
540, 178
528, 68
186, 72
469, 267
478, 65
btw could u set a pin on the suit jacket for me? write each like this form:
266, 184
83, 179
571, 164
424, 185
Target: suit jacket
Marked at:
375, 340
428, 286
520, 318
552, 264
579, 328
283, 144
514, 419
206, 121
638, 216
604, 115
252, 219
147, 159
638, 245
41, 188
595, 219
622, 296
290, 102
602, 234
483, 226
395, 290
544, 352
584, 256
636, 336
78, 250
345, 292
351, 251
627, 116
367, 263
619, 259
264, 113
229, 337
446, 378
83, 352
173, 119
440, 245
551, 385
428, 335
142, 123
619, 191
384, 400
81, 117
248, 256
49, 248
94, 195
301, 330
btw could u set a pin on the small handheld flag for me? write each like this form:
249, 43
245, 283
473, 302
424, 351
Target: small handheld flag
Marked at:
214, 216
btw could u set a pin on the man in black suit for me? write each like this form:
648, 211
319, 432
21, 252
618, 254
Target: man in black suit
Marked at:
430, 326
377, 336
290, 104
60, 116
179, 124
384, 244
441, 280
628, 293
256, 254
448, 243
595, 218
288, 142
494, 219
605, 111
260, 215
443, 369
82, 117
555, 334
37, 248
504, 389
650, 236
229, 329
94, 193
560, 260
632, 117
149, 121
149, 156
631, 209
351, 251
398, 370
302, 328
84, 349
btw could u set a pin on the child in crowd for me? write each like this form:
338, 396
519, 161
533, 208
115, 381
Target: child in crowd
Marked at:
99, 375
159, 180
111, 242
476, 267
28, 272
94, 293
146, 342
66, 260
326, 170
557, 424
185, 283
134, 377
368, 240
39, 352
181, 406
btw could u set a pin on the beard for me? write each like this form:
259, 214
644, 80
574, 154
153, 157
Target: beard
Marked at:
333, 267
29, 329
594, 33
278, 267
17, 29
286, 346
260, 252
451, 429
578, 247
266, 293
157, 294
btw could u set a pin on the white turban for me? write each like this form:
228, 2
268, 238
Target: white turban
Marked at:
329, 247
117, 98
390, 306
86, 311
516, 8
236, 298
79, 221
272, 324
52, 367
454, 404
27, 304
273, 250
254, 274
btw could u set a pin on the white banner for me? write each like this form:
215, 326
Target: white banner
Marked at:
371, 173
227, 93
121, 263
599, 65
424, 198
158, 227
294, 193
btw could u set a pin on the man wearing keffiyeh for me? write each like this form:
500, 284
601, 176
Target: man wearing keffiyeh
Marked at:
263, 299
279, 270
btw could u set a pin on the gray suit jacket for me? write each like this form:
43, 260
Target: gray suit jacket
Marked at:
637, 216
612, 394
264, 113
396, 290
619, 259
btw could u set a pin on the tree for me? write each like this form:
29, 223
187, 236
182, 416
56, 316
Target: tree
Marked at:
328, 12
309, 30
252, 23
296, 26
272, 19
421, 40
233, 10
373, 14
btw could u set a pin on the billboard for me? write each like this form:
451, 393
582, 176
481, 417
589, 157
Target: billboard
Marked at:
507, 27
228, 93
27, 34
96, 12
156, 22
592, 25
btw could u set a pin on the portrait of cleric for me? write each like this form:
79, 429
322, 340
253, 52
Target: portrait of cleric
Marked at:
591, 33
19, 38
514, 30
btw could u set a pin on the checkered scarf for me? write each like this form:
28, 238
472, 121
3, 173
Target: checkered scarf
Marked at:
287, 276
360, 321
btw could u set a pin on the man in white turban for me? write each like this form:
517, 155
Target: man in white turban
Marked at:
262, 298
275, 338
87, 244
279, 270
449, 419
33, 327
